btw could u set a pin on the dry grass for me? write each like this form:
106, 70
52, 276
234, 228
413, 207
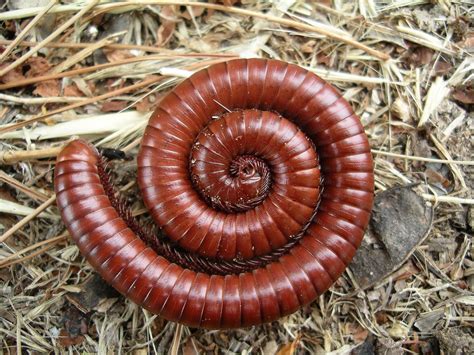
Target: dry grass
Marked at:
104, 67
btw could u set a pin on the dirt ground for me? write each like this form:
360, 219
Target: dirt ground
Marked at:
96, 69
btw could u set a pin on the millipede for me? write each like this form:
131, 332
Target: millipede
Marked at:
259, 177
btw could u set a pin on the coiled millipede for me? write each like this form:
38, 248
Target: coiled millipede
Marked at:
259, 176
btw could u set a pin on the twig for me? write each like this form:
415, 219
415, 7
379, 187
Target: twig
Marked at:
12, 157
449, 199
36, 195
39, 100
48, 39
27, 29
52, 241
431, 160
83, 53
86, 44
27, 219
85, 70
176, 339
144, 83
8, 128
28, 257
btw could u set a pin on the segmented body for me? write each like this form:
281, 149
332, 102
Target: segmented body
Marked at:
230, 167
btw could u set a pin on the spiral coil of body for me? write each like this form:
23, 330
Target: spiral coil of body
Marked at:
230, 167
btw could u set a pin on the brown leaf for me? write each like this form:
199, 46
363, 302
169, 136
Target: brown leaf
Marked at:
74, 326
38, 66
168, 24
308, 47
442, 67
326, 60
48, 88
464, 95
13, 75
358, 333
436, 178
196, 11
65, 340
113, 106
72, 90
418, 55
468, 43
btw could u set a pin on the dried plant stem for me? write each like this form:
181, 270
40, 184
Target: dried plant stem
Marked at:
27, 219
85, 45
84, 102
36, 195
90, 69
26, 30
39, 100
12, 259
83, 53
48, 39
249, 13
449, 199
445, 153
430, 160
13, 157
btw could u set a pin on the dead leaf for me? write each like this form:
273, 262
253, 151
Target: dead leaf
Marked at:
167, 25
464, 94
417, 56
13, 75
48, 88
74, 326
72, 90
113, 106
196, 12
358, 333
468, 43
442, 67
308, 47
323, 59
38, 66
436, 178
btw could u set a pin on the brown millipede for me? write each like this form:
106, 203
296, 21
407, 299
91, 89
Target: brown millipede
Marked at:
262, 208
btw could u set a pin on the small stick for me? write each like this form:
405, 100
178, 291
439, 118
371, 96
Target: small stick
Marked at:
431, 160
28, 257
12, 157
90, 100
85, 70
449, 199
27, 219
39, 100
48, 39
52, 241
27, 29
36, 195
11, 127
87, 44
